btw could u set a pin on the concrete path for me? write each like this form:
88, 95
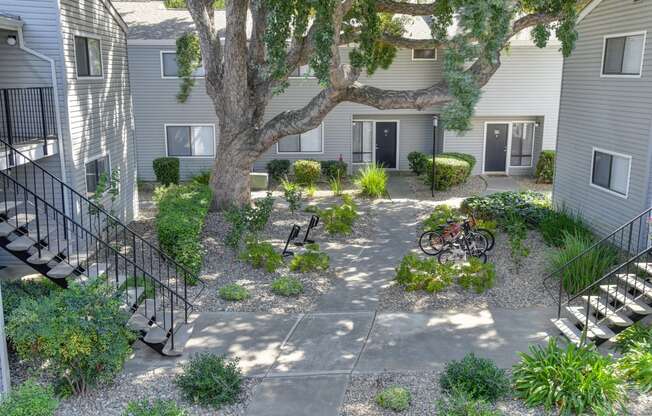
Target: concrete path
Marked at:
496, 183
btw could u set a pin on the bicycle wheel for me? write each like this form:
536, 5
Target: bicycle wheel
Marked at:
448, 257
491, 240
476, 243
482, 257
431, 243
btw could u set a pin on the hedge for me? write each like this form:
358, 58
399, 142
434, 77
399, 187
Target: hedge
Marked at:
166, 170
545, 170
181, 213
307, 172
450, 171
418, 162
333, 168
278, 168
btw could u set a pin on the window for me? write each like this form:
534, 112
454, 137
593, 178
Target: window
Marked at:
303, 71
94, 170
308, 142
623, 55
424, 54
190, 141
363, 138
170, 69
522, 144
611, 171
88, 56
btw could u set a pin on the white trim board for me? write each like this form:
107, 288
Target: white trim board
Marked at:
612, 153
508, 152
604, 54
165, 138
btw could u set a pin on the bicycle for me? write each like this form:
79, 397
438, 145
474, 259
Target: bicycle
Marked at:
465, 242
433, 242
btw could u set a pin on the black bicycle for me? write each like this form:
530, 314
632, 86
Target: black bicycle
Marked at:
434, 241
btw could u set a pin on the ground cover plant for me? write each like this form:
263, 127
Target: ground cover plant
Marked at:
339, 218
631, 336
478, 378
202, 178
80, 332
532, 207
311, 260
287, 286
156, 407
247, 220
166, 170
477, 275
394, 398
234, 292
261, 255
545, 170
461, 404
333, 168
372, 181
428, 274
210, 380
636, 365
306, 172
571, 379
553, 226
278, 168
440, 215
29, 399
181, 213
292, 193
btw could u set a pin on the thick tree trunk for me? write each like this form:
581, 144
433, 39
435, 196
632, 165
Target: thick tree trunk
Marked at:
230, 176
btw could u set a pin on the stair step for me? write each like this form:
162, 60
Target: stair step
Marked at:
569, 330
61, 271
96, 269
644, 266
46, 257
181, 337
22, 243
155, 335
21, 219
117, 282
628, 301
594, 328
132, 295
611, 315
6, 229
8, 205
138, 322
637, 283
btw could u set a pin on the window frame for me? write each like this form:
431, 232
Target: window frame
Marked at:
76, 35
373, 141
510, 141
611, 153
106, 155
604, 54
163, 76
425, 59
191, 125
321, 152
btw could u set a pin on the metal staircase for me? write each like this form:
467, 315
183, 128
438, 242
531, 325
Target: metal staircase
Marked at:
65, 236
615, 300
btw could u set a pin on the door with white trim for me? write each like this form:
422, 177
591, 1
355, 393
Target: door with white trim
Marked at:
495, 154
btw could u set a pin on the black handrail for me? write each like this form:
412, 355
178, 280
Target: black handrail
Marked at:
27, 114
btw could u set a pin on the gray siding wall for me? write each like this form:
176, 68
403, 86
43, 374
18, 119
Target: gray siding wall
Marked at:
19, 69
99, 110
609, 113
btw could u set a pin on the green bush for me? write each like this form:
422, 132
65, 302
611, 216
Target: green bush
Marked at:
311, 190
372, 181
292, 193
278, 168
181, 4
202, 178
575, 380
250, 219
234, 292
479, 378
477, 275
636, 365
631, 336
418, 162
287, 286
13, 292
532, 207
460, 404
586, 269
394, 398
80, 332
154, 408
516, 229
339, 218
334, 168
29, 399
182, 210
166, 170
450, 171
307, 172
553, 226
336, 185
462, 156
261, 255
310, 260
545, 170
440, 215
427, 274
210, 380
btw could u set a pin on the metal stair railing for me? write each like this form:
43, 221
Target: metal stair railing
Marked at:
627, 240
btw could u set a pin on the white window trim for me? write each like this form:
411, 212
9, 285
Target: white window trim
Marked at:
163, 76
74, 52
604, 52
321, 152
508, 159
373, 141
509, 146
165, 134
425, 59
92, 159
629, 171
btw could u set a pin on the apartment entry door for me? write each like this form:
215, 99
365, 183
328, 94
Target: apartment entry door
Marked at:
386, 141
495, 153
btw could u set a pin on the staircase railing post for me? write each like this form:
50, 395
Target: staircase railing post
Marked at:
10, 135
561, 284
43, 123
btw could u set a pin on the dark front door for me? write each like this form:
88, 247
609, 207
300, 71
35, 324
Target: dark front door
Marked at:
386, 144
495, 154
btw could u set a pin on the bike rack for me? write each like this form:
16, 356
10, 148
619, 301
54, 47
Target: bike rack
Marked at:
294, 233
314, 221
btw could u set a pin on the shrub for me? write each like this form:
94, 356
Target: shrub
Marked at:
278, 169
394, 398
532, 207
553, 226
310, 260
202, 178
574, 379
311, 190
13, 292
154, 408
450, 171
372, 181
292, 194
234, 292
477, 275
247, 219
339, 218
334, 168
440, 215
29, 399
80, 332
427, 274
462, 156
181, 4
336, 185
181, 213
515, 227
418, 162
210, 380
287, 286
631, 336
584, 270
460, 404
636, 365
307, 172
545, 170
166, 170
479, 378
262, 255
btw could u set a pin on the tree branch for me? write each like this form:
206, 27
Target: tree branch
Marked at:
414, 9
202, 13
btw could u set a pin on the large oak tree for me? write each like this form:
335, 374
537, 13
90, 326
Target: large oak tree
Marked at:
244, 72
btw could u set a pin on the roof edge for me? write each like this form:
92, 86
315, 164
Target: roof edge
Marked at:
588, 9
